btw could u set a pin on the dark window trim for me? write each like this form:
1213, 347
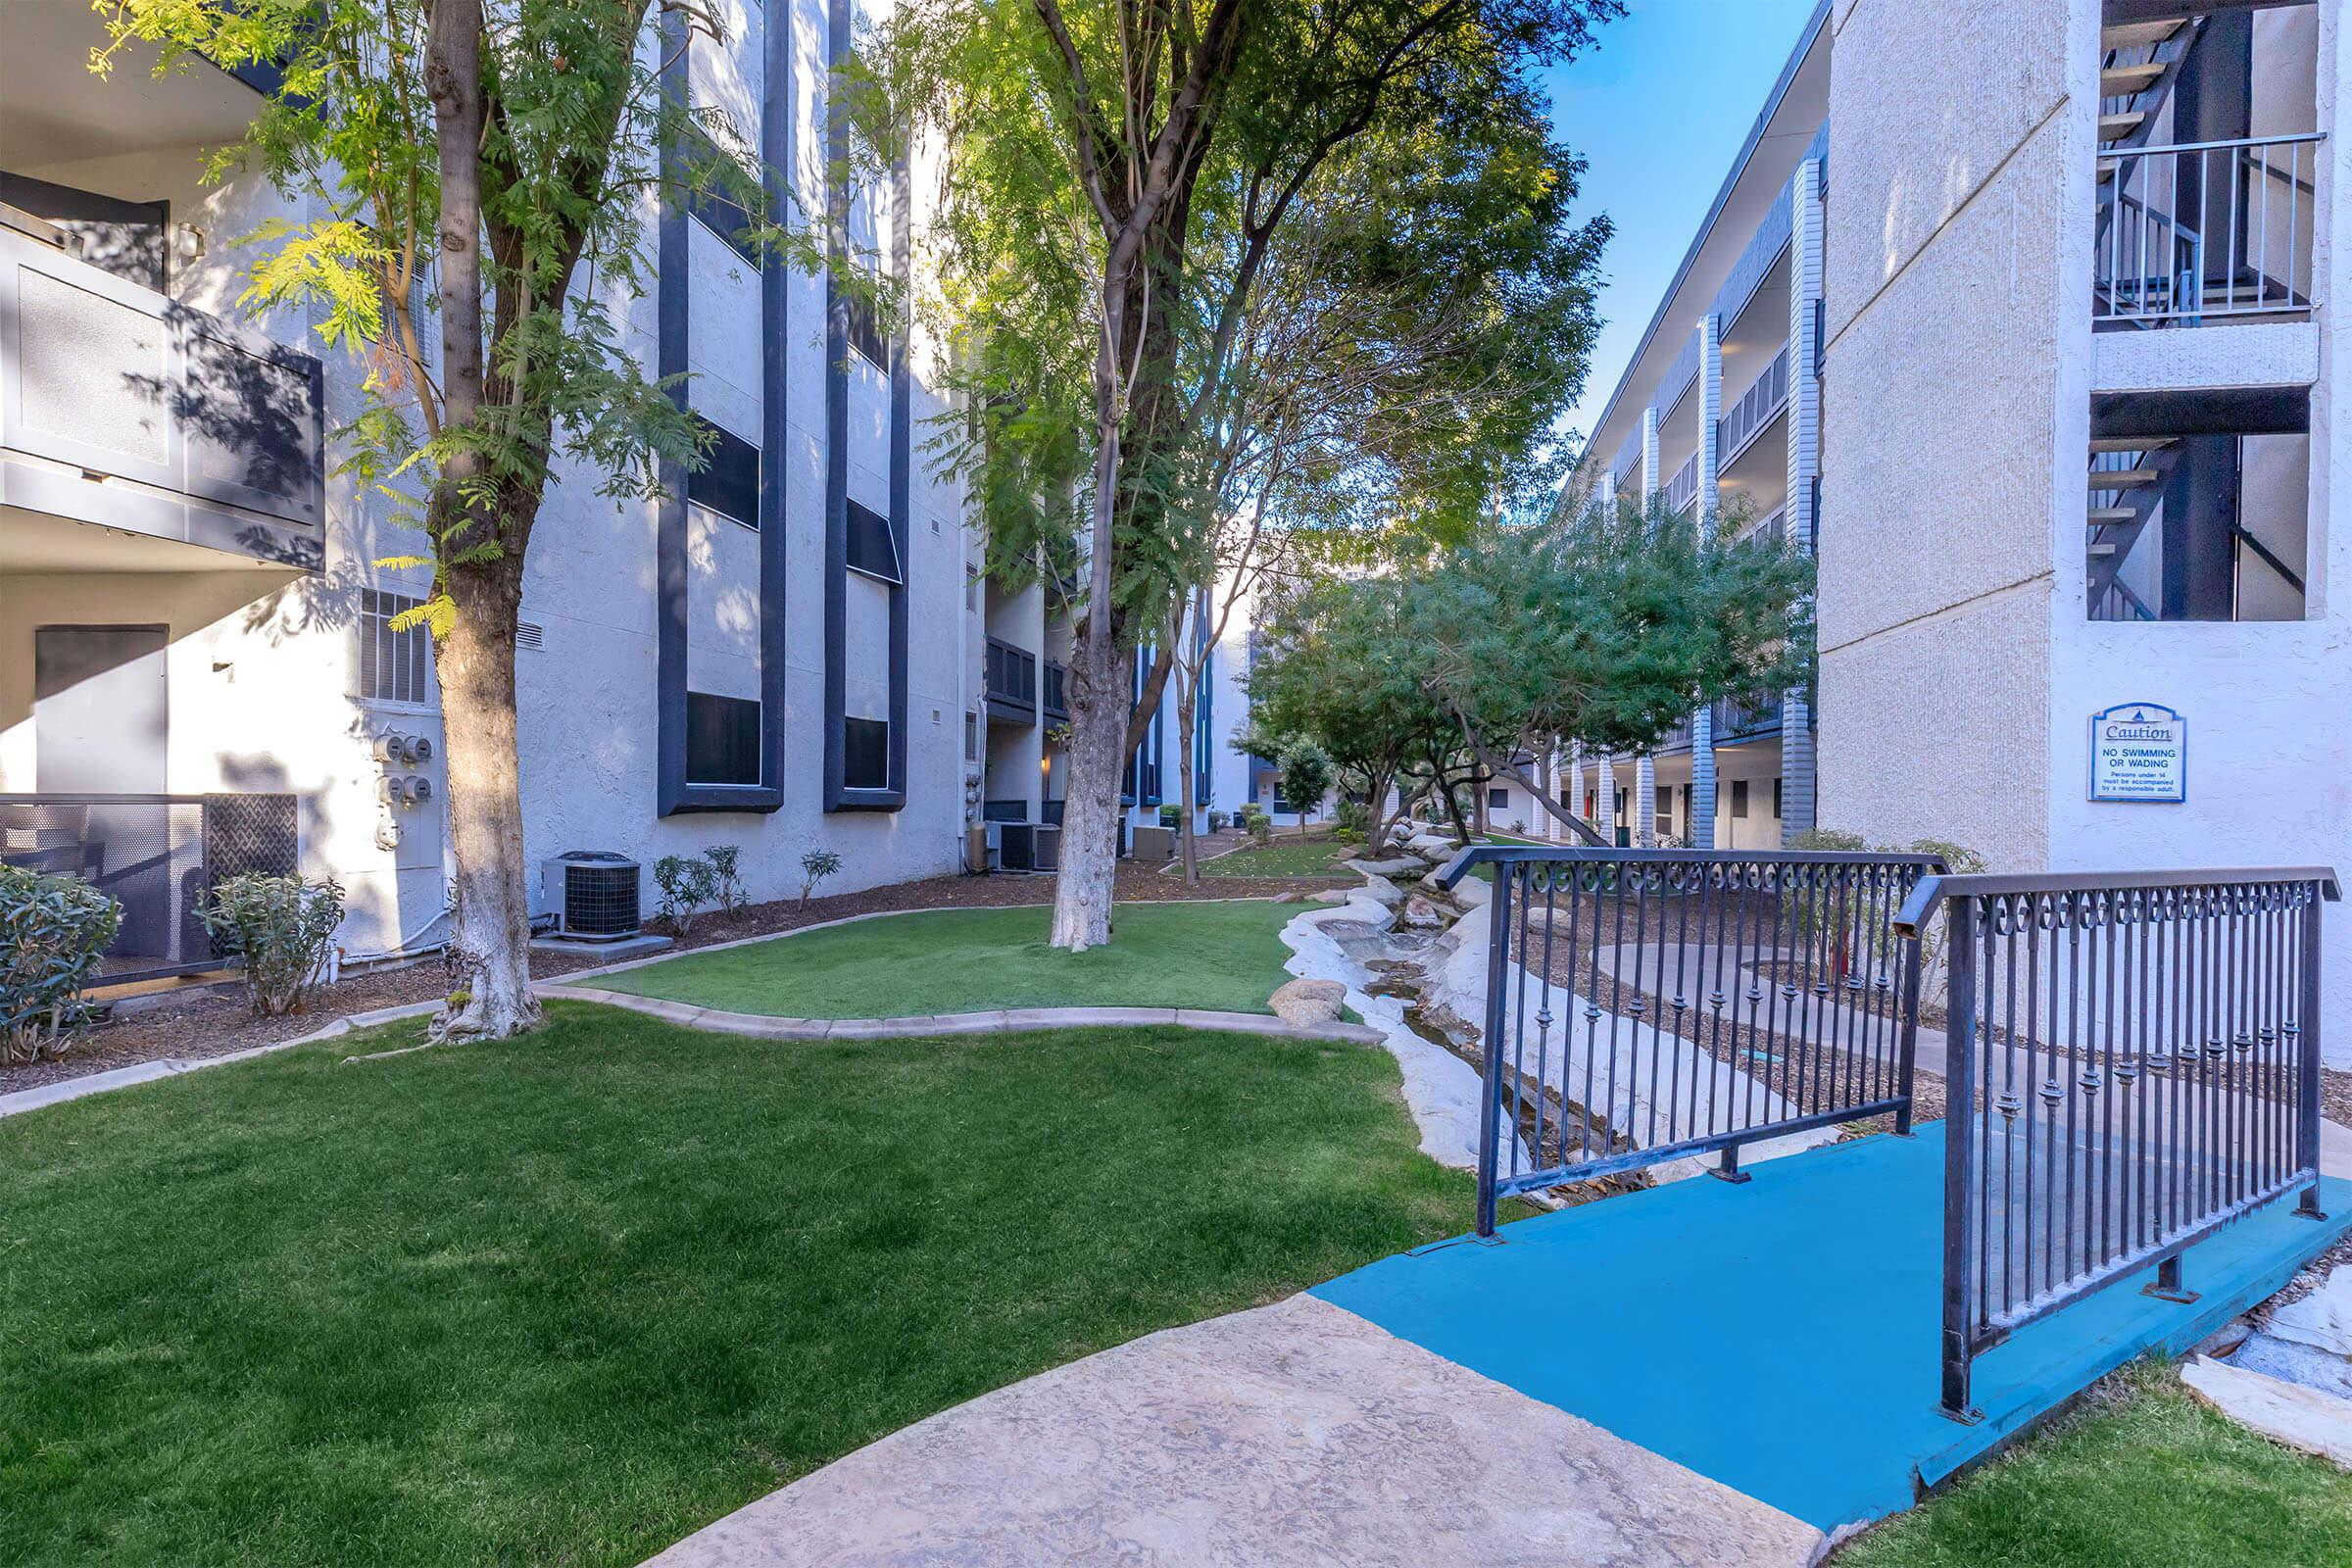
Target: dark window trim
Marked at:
673, 794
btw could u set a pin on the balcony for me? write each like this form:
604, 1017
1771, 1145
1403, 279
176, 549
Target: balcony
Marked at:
159, 856
1757, 406
1010, 682
2204, 231
122, 408
1737, 718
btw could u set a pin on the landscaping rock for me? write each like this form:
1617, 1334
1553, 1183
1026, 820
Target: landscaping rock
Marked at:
1396, 865
2301, 1418
1387, 894
1305, 1002
1420, 913
2323, 1319
1293, 897
2299, 1365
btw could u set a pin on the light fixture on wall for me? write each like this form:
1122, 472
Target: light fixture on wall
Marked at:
187, 242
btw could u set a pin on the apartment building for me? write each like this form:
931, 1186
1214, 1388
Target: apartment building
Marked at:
2036, 350
198, 675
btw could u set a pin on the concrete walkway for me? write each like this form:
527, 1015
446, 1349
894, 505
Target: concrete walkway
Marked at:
1294, 1433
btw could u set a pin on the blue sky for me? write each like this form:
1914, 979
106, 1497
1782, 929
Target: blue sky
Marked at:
1658, 109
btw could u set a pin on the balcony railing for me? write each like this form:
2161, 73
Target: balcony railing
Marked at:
1738, 716
159, 856
1683, 488
1012, 674
1764, 398
2205, 229
122, 407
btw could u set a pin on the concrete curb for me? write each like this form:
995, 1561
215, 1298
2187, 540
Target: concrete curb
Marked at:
145, 1072
999, 1021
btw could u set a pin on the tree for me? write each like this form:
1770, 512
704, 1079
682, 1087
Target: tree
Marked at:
1606, 627
1115, 244
1422, 322
1303, 772
475, 163
1338, 662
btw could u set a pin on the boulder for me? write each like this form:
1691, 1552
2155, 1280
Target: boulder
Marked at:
1310, 1002
2323, 1319
1421, 913
1398, 865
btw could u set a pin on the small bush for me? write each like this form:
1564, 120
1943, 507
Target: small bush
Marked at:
726, 878
1219, 822
1354, 816
1347, 835
686, 882
1170, 815
53, 930
815, 866
281, 926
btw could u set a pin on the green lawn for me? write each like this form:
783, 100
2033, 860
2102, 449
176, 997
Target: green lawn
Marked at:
2153, 1480
1223, 955
565, 1299
1316, 858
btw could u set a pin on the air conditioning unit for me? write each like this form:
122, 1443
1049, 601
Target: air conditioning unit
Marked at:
1049, 849
1016, 846
591, 894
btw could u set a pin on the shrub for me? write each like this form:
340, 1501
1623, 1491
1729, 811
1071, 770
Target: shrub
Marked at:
53, 929
726, 879
1347, 835
1219, 822
281, 926
815, 866
1170, 815
1354, 816
687, 882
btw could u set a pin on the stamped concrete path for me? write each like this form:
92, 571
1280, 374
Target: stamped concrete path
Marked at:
1293, 1434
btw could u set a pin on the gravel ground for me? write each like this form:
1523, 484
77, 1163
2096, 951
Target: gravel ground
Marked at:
216, 1023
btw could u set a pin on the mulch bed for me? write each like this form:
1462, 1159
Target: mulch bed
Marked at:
215, 1023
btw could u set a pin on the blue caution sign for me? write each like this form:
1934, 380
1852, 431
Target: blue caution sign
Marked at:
2138, 751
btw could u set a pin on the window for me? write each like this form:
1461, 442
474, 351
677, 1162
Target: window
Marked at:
723, 739
1662, 805
709, 202
395, 666
865, 753
1738, 798
872, 548
1499, 800
1776, 798
972, 736
728, 482
866, 333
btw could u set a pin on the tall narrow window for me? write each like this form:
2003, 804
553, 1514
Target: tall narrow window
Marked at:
395, 666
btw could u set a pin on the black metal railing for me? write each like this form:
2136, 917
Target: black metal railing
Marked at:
1011, 679
2132, 1060
1644, 1006
157, 854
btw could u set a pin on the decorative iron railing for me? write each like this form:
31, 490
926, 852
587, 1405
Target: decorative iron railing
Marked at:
159, 856
2132, 1061
2199, 230
1644, 1006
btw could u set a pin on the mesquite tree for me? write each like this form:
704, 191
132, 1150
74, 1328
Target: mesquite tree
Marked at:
1114, 178
479, 176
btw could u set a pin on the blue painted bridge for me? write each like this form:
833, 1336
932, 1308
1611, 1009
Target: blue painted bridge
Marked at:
1781, 1336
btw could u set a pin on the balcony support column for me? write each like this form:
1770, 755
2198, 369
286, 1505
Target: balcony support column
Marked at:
1645, 803
1798, 775
1607, 799
1702, 722
1650, 477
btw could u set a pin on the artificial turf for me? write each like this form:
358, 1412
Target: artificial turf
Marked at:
564, 1299
1224, 956
1314, 858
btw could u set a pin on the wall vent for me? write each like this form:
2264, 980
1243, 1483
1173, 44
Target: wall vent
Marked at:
529, 634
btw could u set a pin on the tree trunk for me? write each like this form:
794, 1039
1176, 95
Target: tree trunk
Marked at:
1090, 809
490, 950
1376, 826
